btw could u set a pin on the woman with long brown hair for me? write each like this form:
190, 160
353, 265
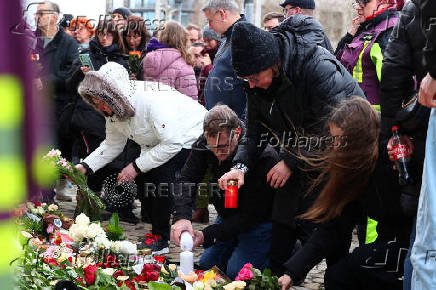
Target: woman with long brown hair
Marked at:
168, 60
358, 181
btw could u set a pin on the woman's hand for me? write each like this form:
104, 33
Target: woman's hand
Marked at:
355, 23
285, 282
278, 175
81, 168
85, 69
128, 174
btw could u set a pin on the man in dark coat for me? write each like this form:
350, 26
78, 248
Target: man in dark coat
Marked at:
222, 85
403, 72
59, 52
291, 85
241, 234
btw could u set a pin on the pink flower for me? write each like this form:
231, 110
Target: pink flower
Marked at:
245, 274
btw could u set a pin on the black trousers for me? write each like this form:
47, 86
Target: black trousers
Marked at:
283, 241
156, 192
374, 266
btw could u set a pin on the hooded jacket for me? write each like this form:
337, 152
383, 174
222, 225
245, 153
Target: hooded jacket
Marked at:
362, 55
166, 65
146, 112
296, 104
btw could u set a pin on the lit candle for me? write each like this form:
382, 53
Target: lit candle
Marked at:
186, 262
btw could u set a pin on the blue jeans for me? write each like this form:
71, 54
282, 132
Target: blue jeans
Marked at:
408, 269
248, 247
424, 249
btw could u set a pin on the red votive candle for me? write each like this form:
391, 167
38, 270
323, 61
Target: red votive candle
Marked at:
231, 195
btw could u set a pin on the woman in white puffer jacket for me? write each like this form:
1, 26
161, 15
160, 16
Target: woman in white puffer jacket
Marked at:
164, 122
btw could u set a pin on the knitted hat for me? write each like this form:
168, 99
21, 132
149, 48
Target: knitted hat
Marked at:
253, 49
304, 4
209, 33
123, 11
112, 85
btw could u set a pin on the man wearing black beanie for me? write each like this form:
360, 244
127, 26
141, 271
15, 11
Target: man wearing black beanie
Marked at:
291, 84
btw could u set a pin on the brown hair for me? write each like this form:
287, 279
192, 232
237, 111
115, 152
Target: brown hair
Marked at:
104, 25
176, 36
136, 24
273, 15
194, 27
220, 118
347, 167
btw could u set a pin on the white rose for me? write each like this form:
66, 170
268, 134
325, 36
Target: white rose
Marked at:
126, 247
115, 246
52, 207
78, 232
108, 271
30, 205
198, 285
82, 219
239, 284
40, 210
93, 230
43, 204
102, 242
172, 267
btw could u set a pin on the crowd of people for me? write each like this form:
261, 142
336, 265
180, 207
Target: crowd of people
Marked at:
304, 129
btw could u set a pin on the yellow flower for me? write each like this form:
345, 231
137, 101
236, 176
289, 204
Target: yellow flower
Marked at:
209, 276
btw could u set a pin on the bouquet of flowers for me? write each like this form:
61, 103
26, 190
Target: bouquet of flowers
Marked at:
254, 279
134, 61
87, 201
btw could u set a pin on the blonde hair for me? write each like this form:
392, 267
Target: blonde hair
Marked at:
176, 36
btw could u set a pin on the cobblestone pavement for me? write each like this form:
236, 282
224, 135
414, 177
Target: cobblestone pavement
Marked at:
314, 280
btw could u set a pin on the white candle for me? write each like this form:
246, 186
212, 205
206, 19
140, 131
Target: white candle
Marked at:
186, 262
186, 241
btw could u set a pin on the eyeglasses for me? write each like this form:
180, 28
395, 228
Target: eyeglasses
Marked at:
360, 3
42, 12
286, 10
254, 80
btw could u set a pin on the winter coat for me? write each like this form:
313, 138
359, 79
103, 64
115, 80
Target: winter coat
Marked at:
427, 9
101, 55
86, 125
380, 200
143, 113
57, 58
166, 65
362, 55
254, 198
402, 73
296, 104
204, 74
222, 85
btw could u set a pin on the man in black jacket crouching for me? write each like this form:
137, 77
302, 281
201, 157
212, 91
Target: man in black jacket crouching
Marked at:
239, 235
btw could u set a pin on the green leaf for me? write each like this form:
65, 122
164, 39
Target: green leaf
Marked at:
158, 286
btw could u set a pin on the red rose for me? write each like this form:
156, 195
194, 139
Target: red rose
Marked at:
152, 276
110, 259
90, 274
160, 259
139, 278
118, 273
150, 267
80, 281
